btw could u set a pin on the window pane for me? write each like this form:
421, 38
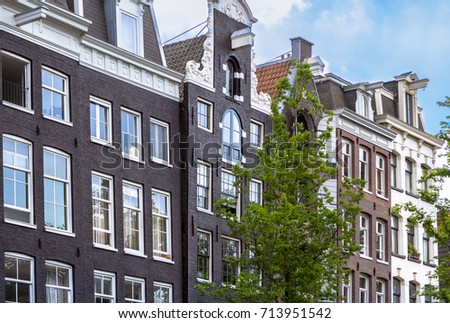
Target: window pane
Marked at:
11, 267
129, 33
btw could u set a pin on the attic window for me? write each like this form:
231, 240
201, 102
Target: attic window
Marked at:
233, 78
409, 109
364, 105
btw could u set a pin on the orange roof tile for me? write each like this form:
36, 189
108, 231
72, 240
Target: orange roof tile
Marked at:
269, 74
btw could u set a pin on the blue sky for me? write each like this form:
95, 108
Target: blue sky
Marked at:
361, 40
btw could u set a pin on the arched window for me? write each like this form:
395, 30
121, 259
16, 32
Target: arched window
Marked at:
364, 167
363, 289
347, 155
409, 186
364, 227
396, 291
233, 78
231, 136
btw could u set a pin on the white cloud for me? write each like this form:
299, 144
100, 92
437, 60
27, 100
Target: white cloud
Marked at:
271, 13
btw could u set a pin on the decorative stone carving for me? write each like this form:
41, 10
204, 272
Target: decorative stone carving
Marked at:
233, 11
260, 101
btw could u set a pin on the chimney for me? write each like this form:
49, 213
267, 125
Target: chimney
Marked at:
301, 48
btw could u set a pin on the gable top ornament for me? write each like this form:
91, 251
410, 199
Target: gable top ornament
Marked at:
235, 9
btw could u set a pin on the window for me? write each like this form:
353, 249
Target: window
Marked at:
58, 282
412, 247
133, 226
347, 159
159, 141
427, 249
428, 298
100, 116
364, 167
16, 81
412, 292
409, 109
134, 290
396, 291
255, 192
381, 291
347, 289
381, 241
364, 235
203, 255
104, 287
409, 177
17, 180
230, 255
363, 289
395, 235
426, 182
366, 107
57, 209
381, 176
394, 171
231, 85
102, 209
228, 190
203, 185
19, 278
129, 32
55, 95
162, 245
162, 293
231, 137
204, 115
131, 134
256, 134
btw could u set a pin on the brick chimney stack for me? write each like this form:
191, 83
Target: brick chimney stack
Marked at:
301, 48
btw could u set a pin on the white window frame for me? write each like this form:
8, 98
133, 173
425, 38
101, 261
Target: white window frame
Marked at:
29, 174
133, 281
380, 240
400, 293
258, 193
56, 287
161, 286
209, 184
156, 148
380, 294
347, 158
64, 94
134, 10
222, 255
260, 127
68, 186
364, 291
347, 289
159, 254
364, 165
364, 235
427, 246
409, 176
395, 237
226, 195
138, 144
209, 116
111, 218
102, 275
140, 210
27, 80
107, 105
380, 177
209, 278
16, 281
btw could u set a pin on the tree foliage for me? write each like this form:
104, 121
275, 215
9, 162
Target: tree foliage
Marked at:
436, 225
297, 241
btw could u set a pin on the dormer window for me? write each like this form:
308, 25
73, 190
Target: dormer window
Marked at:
364, 105
233, 78
409, 109
124, 20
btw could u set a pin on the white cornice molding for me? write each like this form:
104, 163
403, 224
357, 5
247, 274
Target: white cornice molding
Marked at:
259, 101
404, 128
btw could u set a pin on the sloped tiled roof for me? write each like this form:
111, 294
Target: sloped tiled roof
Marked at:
179, 53
269, 74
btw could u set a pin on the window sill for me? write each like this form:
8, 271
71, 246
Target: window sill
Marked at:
382, 262
161, 259
203, 281
161, 162
230, 162
104, 247
64, 122
398, 256
365, 257
135, 253
382, 197
101, 142
18, 107
429, 264
368, 192
397, 189
418, 261
136, 160
60, 232
21, 224
412, 194
206, 129
205, 211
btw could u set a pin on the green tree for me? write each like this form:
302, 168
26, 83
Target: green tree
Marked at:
436, 225
297, 242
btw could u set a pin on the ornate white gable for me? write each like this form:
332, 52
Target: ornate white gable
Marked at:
260, 101
235, 9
